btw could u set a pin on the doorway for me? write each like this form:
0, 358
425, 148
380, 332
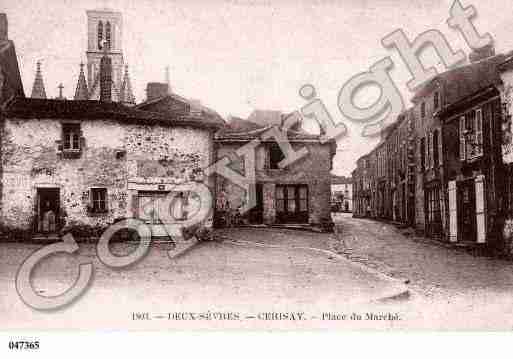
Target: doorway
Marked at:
256, 214
48, 209
467, 211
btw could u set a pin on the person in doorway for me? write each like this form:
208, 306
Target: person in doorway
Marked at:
48, 219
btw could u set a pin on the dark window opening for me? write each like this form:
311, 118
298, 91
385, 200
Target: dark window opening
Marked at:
98, 200
423, 109
435, 148
422, 154
275, 156
100, 35
436, 100
108, 36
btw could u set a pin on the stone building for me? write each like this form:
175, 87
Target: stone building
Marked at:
362, 187
384, 178
472, 155
86, 163
297, 194
429, 193
458, 180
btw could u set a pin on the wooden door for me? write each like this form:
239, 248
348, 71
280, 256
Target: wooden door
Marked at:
467, 211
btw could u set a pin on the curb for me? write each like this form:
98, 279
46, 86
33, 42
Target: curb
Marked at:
187, 247
402, 292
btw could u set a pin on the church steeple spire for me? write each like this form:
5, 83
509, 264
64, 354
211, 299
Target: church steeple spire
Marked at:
126, 95
81, 93
38, 90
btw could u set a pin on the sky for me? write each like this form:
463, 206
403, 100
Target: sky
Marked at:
236, 56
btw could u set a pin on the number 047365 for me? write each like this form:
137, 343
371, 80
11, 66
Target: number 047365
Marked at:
24, 345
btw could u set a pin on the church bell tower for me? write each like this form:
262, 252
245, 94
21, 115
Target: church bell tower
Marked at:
104, 38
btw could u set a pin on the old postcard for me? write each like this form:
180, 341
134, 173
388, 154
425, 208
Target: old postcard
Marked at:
252, 164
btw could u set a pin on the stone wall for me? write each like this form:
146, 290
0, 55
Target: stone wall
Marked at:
313, 170
116, 156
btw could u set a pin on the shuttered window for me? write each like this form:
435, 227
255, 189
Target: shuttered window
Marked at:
436, 154
463, 142
478, 148
430, 152
422, 152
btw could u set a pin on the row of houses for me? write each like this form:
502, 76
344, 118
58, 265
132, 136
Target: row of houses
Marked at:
444, 166
87, 163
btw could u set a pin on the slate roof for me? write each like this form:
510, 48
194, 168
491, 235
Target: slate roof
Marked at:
29, 108
196, 109
244, 130
464, 81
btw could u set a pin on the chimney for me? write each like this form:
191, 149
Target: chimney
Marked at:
3, 27
106, 79
156, 90
482, 53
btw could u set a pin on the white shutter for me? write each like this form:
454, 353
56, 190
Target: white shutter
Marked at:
440, 147
462, 138
442, 210
453, 218
479, 131
480, 209
426, 151
431, 159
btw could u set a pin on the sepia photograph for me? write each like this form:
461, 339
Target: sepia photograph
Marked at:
234, 165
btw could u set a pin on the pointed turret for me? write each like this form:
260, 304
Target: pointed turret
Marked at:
38, 90
168, 80
126, 95
81, 93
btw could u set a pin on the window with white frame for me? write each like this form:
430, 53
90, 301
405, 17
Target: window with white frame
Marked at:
98, 200
71, 136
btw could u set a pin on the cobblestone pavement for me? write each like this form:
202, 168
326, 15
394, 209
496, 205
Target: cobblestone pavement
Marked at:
467, 289
215, 276
433, 268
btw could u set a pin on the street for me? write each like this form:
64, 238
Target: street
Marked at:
270, 278
454, 288
262, 273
